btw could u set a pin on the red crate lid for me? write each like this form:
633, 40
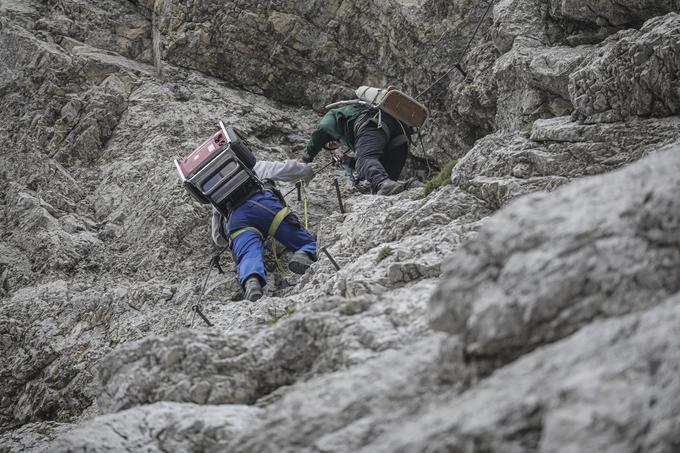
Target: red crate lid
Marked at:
189, 165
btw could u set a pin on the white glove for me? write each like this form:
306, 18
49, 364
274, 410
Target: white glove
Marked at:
307, 173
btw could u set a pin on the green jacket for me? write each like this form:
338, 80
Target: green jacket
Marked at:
336, 124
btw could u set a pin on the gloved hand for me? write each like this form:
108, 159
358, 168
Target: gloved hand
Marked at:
307, 174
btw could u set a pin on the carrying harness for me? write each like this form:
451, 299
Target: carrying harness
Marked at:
279, 218
273, 228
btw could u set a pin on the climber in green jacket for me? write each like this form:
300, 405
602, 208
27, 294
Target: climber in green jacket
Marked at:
379, 140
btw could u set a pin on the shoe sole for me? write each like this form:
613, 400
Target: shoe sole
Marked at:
394, 191
298, 268
254, 296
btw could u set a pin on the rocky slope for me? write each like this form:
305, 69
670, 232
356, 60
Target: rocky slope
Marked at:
530, 305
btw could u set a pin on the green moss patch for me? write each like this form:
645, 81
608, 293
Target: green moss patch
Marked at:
442, 178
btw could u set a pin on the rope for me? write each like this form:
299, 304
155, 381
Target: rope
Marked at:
427, 161
462, 55
318, 172
283, 271
305, 203
196, 308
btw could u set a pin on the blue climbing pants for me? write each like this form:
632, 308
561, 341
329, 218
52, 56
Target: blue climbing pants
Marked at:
248, 247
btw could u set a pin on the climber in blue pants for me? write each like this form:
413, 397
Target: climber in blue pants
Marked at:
251, 223
248, 247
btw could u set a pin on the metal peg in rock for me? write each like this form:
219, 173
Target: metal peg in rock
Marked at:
337, 191
323, 249
198, 311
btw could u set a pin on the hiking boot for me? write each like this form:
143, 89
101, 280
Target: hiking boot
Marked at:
389, 187
252, 289
300, 262
412, 183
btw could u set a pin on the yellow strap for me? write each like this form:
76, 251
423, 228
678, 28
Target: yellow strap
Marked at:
276, 260
241, 231
304, 197
276, 223
273, 228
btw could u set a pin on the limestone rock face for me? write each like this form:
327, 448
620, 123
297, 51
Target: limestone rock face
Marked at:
519, 18
528, 303
316, 53
613, 13
609, 371
634, 74
503, 166
534, 82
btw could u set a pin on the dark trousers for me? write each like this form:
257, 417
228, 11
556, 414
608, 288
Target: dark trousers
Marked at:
376, 159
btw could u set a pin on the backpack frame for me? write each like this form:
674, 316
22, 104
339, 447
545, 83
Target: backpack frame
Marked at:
220, 171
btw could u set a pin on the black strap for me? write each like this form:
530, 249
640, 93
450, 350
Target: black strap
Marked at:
223, 228
270, 186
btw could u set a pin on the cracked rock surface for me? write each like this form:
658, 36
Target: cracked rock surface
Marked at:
527, 304
635, 73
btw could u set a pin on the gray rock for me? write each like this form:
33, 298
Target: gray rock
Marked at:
611, 387
534, 82
633, 74
102, 253
561, 398
160, 427
31, 437
549, 264
243, 367
303, 53
514, 18
79, 223
503, 166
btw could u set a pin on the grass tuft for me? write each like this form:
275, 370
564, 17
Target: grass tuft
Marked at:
289, 310
442, 178
384, 253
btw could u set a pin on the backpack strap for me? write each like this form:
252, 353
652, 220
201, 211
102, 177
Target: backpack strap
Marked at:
270, 186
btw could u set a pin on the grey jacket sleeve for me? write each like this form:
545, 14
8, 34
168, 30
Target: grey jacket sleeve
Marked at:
216, 225
286, 171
